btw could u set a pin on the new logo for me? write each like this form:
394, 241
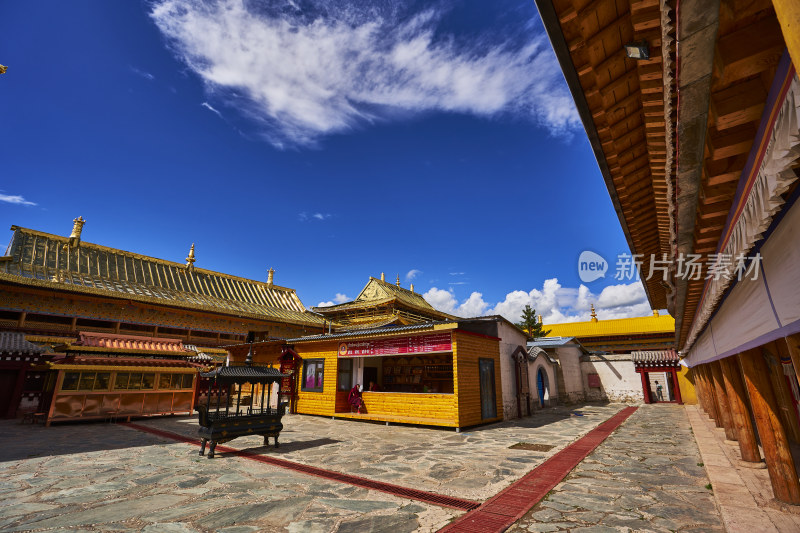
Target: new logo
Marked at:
591, 266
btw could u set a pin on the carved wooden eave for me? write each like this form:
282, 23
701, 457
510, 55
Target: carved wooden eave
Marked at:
626, 109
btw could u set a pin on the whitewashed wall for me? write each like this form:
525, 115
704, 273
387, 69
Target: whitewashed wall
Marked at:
573, 387
510, 339
618, 378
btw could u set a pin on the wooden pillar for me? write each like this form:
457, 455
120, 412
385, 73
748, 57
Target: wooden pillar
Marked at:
792, 344
699, 388
740, 412
676, 386
712, 393
782, 472
781, 388
722, 399
645, 386
788, 14
73, 326
21, 322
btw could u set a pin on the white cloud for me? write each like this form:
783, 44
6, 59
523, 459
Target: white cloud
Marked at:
142, 73
15, 199
304, 217
210, 108
555, 303
340, 298
331, 68
413, 273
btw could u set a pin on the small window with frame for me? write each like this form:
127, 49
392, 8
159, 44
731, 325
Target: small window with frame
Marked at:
163, 381
136, 382
87, 381
101, 383
188, 379
313, 374
70, 381
121, 381
148, 381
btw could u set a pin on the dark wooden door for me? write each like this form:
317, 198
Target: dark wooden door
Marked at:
488, 396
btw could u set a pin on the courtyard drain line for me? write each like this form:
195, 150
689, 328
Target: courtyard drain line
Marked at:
396, 490
511, 504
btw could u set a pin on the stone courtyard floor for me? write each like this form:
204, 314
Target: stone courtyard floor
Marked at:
112, 477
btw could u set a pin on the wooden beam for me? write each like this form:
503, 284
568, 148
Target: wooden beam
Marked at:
778, 455
731, 142
737, 105
740, 412
750, 50
724, 404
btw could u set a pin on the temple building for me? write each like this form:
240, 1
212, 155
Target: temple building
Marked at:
60, 291
693, 115
381, 304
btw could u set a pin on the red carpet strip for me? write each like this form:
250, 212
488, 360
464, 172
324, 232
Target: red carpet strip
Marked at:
511, 504
396, 490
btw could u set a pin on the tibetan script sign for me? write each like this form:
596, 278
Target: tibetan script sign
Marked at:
437, 342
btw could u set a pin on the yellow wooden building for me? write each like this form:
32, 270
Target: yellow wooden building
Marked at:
444, 373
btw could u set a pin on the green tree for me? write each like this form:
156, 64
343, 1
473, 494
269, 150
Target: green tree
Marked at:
530, 324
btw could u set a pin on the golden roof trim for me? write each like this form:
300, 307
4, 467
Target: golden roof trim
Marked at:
313, 320
134, 255
122, 367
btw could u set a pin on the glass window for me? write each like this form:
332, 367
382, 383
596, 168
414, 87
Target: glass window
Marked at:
70, 381
148, 380
101, 383
87, 381
136, 382
121, 381
176, 381
313, 372
163, 381
345, 374
187, 381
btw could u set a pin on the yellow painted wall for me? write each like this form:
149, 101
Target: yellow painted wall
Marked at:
467, 349
318, 403
441, 407
686, 384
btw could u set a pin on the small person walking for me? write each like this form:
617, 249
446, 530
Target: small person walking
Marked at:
659, 392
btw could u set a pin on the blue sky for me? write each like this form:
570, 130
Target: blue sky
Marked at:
331, 141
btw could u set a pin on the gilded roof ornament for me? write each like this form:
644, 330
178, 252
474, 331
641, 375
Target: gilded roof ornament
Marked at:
412, 287
190, 259
270, 276
3, 69
398, 280
75, 236
594, 315
383, 276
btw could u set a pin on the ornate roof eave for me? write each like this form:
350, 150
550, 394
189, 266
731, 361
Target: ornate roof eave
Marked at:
655, 291
309, 320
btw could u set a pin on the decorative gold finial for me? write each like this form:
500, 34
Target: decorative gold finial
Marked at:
270, 276
412, 287
540, 319
398, 280
75, 236
190, 259
655, 313
3, 69
383, 276
594, 315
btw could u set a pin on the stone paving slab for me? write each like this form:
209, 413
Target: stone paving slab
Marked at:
101, 477
474, 464
646, 476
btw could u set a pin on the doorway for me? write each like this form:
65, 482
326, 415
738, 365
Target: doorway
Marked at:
541, 386
488, 396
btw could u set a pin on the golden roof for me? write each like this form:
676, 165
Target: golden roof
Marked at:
48, 261
378, 292
621, 326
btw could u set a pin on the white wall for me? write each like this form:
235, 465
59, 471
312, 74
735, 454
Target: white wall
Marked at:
510, 339
618, 378
569, 356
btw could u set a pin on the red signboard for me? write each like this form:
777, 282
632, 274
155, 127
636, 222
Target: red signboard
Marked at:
436, 342
594, 380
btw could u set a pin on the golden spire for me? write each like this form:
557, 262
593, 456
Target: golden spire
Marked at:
540, 319
412, 287
383, 276
270, 275
3, 69
75, 236
655, 313
594, 315
190, 259
398, 280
